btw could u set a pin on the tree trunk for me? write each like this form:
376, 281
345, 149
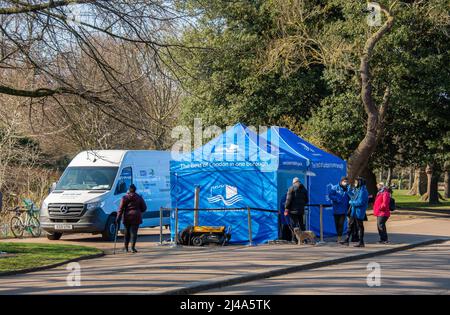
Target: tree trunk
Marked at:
419, 186
432, 194
423, 182
446, 180
389, 177
371, 181
359, 159
410, 178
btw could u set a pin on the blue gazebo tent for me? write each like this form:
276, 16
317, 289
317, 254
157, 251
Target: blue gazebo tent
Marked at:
240, 169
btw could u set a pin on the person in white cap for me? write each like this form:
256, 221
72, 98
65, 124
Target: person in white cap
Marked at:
296, 200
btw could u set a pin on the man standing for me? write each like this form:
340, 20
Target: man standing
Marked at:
131, 208
285, 231
296, 199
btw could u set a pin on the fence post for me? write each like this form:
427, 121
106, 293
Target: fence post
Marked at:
196, 202
176, 226
160, 225
249, 218
321, 224
305, 218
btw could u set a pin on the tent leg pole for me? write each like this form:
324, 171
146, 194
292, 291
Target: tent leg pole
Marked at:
160, 225
249, 218
321, 225
176, 226
196, 202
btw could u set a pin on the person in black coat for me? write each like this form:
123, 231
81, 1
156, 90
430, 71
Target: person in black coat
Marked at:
285, 231
131, 208
296, 200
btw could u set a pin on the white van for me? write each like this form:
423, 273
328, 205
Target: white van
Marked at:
87, 196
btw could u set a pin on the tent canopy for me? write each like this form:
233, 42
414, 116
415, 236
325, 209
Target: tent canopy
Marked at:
239, 169
239, 148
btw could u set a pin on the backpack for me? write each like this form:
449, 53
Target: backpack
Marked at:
392, 204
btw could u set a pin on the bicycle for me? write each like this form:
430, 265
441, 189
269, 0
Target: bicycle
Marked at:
30, 223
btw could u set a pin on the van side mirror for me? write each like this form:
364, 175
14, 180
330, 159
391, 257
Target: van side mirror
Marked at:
52, 187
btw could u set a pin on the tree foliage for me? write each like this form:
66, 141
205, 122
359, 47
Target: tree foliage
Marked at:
297, 63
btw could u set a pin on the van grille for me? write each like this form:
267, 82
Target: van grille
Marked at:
65, 210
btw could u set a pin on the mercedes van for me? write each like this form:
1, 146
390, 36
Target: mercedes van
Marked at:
87, 196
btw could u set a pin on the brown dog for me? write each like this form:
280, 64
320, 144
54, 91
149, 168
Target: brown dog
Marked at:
309, 236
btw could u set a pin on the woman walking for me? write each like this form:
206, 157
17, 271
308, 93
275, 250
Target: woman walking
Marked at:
131, 208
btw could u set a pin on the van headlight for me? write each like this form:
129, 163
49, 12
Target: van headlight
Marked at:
95, 205
44, 209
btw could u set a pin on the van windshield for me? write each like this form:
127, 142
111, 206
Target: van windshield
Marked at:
87, 178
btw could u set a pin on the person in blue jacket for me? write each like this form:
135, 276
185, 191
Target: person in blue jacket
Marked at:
340, 200
359, 200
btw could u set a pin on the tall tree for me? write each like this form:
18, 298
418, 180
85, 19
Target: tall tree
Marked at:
225, 82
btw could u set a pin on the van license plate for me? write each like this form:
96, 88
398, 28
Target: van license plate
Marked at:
63, 227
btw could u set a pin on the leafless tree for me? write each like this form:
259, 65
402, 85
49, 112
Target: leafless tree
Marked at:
140, 117
51, 41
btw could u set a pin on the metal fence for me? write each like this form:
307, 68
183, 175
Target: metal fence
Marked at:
249, 218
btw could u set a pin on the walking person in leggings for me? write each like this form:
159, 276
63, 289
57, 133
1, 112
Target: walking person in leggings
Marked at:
359, 200
131, 208
340, 200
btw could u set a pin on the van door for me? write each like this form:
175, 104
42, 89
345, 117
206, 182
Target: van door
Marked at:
125, 180
123, 183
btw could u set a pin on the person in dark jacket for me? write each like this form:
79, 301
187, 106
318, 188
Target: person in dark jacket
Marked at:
285, 231
359, 200
340, 200
131, 208
296, 199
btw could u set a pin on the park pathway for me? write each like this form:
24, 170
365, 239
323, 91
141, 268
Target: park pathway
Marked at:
159, 269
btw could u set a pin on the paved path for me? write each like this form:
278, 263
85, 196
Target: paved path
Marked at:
423, 270
159, 269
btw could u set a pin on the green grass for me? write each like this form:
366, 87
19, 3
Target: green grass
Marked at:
30, 255
405, 201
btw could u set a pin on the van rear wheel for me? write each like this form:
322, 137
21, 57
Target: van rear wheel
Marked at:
54, 236
109, 232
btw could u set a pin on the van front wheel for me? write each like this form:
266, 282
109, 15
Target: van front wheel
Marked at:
54, 236
110, 229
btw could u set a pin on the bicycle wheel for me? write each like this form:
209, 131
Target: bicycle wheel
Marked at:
17, 227
34, 227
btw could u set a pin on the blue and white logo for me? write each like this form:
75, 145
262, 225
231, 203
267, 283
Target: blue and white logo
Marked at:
226, 194
330, 187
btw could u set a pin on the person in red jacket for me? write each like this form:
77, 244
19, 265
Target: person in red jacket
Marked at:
382, 211
131, 208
